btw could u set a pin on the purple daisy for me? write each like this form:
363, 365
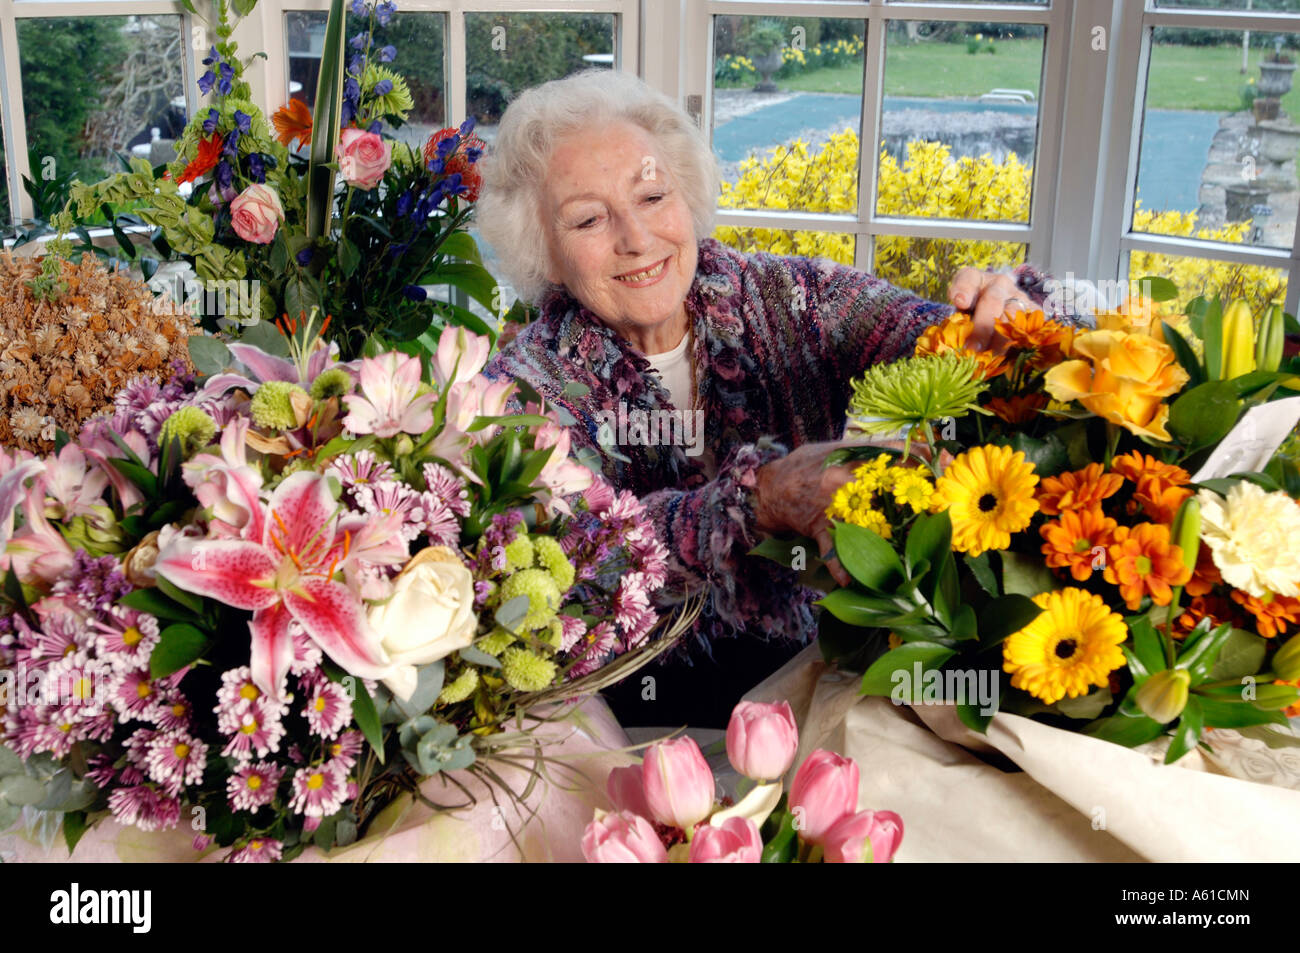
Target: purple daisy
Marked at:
318, 790
447, 488
175, 759
259, 732
253, 786
126, 637
328, 709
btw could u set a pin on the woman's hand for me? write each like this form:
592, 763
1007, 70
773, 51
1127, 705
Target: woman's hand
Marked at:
988, 296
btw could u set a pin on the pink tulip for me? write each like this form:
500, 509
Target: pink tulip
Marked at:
762, 739
627, 790
825, 789
622, 838
256, 214
678, 783
363, 157
735, 841
864, 837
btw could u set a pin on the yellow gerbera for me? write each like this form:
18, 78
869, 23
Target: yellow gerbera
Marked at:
1071, 646
989, 494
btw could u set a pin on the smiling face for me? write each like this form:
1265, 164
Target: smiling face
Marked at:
619, 233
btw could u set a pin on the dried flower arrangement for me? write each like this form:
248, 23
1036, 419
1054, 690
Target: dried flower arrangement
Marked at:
71, 336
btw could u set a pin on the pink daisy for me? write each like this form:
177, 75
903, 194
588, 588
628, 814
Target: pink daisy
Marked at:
440, 523
259, 850
346, 749
307, 655
318, 790
358, 473
172, 711
145, 808
593, 649
253, 786
399, 505
447, 488
234, 698
259, 731
134, 695
127, 638
175, 759
571, 630
328, 710
61, 634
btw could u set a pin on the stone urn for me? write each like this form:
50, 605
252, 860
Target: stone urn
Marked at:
1279, 141
1266, 108
1275, 78
1243, 201
767, 66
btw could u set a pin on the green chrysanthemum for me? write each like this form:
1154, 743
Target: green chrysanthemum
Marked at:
192, 426
397, 102
495, 642
334, 382
527, 672
550, 555
272, 405
519, 554
553, 634
914, 391
542, 592
460, 688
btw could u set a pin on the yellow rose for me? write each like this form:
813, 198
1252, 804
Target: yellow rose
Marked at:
1124, 380
1134, 316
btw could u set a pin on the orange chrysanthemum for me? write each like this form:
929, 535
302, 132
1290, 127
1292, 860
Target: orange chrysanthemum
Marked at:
1272, 613
1077, 489
1218, 609
1134, 466
292, 121
953, 335
1160, 500
1018, 410
1206, 575
1078, 541
206, 159
1031, 331
1143, 561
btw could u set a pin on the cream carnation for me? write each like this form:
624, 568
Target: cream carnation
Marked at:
1254, 536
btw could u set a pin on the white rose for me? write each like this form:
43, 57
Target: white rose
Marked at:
430, 615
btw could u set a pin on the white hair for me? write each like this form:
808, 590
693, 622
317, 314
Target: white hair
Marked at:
508, 211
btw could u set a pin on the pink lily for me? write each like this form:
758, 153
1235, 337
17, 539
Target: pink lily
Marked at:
226, 486
391, 401
73, 487
461, 355
37, 552
11, 491
283, 572
561, 476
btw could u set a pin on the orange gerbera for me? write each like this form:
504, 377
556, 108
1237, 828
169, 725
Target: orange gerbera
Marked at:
1143, 561
1031, 331
1077, 489
1206, 575
1018, 410
1078, 541
953, 335
292, 121
1272, 613
206, 159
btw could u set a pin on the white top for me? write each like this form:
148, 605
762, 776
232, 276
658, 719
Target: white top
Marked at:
674, 367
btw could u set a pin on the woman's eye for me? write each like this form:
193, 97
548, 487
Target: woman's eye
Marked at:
656, 197
587, 223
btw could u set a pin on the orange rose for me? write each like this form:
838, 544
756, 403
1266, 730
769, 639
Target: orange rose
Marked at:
1124, 380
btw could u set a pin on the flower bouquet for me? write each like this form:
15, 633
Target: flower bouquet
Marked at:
274, 601
357, 227
666, 808
1114, 547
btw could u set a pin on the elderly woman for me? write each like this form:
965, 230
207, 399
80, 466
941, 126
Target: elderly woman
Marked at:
599, 195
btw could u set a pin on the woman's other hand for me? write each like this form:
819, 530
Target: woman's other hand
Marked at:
988, 296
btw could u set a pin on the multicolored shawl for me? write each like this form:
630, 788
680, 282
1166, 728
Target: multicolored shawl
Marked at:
777, 342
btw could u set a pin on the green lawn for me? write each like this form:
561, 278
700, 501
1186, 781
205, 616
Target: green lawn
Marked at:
1182, 77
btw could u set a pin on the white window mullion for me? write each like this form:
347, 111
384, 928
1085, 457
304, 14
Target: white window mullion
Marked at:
15, 120
873, 93
454, 44
1046, 198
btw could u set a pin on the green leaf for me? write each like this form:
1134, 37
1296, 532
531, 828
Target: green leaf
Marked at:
1188, 732
244, 7
210, 355
475, 656
1127, 730
1004, 616
1219, 712
786, 551
973, 717
74, 827
428, 685
178, 646
266, 337
10, 763
1203, 415
1157, 288
155, 603
781, 847
1146, 643
367, 718
22, 790
1048, 454
461, 244
349, 256
964, 627
1085, 706
983, 572
326, 121
930, 538
1186, 356
867, 557
473, 279
140, 476
1026, 575
512, 612
1242, 654
897, 669
858, 608
1212, 335
1200, 657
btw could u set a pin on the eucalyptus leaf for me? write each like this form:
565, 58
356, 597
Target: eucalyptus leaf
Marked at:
1242, 654
21, 790
10, 763
512, 612
478, 657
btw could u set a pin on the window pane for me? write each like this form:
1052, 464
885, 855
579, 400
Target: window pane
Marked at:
787, 111
1259, 6
1259, 285
508, 53
1219, 139
960, 120
96, 86
832, 245
924, 266
418, 40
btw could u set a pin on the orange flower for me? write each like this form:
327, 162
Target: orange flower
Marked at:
1206, 575
1272, 613
1159, 500
1018, 410
1213, 607
1077, 489
1291, 711
1077, 539
1123, 379
1135, 465
1134, 316
1144, 562
458, 162
1160, 486
293, 121
206, 159
952, 335
1031, 331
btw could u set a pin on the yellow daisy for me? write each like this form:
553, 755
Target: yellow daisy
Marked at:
989, 494
1071, 646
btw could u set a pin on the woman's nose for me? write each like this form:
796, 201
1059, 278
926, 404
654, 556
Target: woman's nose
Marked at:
633, 237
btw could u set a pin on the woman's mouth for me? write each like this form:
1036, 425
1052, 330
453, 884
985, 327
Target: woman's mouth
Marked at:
644, 276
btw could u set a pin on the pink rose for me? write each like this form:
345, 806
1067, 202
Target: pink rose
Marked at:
622, 839
627, 790
363, 157
734, 841
762, 740
864, 837
825, 788
678, 783
256, 214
